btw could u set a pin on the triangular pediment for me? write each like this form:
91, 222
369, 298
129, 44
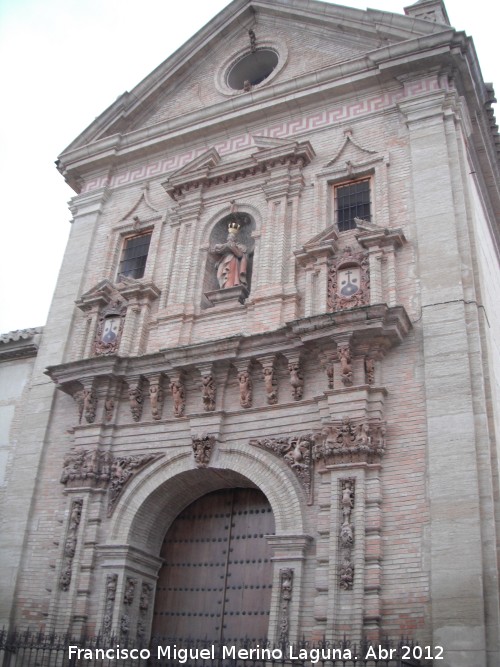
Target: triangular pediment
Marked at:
143, 210
324, 243
211, 172
351, 151
327, 236
102, 294
315, 36
108, 295
199, 165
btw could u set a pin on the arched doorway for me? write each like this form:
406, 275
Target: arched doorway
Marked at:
216, 579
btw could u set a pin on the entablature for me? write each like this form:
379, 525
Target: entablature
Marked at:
353, 340
206, 170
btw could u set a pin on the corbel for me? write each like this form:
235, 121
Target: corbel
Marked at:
178, 391
203, 446
78, 398
344, 355
156, 395
296, 375
111, 398
208, 387
327, 359
269, 376
244, 382
136, 396
89, 399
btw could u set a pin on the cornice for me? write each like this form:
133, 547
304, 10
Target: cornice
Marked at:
264, 160
359, 325
358, 74
240, 13
19, 344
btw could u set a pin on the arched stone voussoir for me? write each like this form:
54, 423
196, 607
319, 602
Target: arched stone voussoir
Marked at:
157, 495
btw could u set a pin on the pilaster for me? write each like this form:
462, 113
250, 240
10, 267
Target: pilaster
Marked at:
454, 490
289, 554
26, 464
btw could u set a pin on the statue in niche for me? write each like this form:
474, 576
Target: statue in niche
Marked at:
233, 263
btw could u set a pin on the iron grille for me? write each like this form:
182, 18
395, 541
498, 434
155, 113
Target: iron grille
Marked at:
38, 649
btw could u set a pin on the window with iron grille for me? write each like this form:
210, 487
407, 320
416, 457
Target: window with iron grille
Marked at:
352, 201
134, 255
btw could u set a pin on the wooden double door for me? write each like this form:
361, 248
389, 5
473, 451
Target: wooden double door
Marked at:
216, 579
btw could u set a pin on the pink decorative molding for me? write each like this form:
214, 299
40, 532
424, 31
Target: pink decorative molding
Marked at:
282, 130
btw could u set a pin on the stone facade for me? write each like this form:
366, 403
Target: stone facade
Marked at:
367, 416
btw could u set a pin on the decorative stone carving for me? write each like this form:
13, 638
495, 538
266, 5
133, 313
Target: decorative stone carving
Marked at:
140, 631
92, 467
246, 388
346, 534
136, 400
145, 600
202, 449
129, 593
295, 451
84, 467
348, 441
348, 281
271, 384
330, 374
296, 380
208, 392
286, 590
156, 397
128, 599
144, 604
344, 354
70, 544
124, 625
253, 41
369, 370
122, 471
109, 408
178, 395
110, 328
89, 404
109, 603
78, 398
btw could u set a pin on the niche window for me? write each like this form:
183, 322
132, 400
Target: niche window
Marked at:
134, 255
352, 201
228, 271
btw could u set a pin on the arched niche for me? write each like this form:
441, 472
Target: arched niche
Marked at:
228, 269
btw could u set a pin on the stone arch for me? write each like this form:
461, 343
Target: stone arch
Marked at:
247, 209
154, 499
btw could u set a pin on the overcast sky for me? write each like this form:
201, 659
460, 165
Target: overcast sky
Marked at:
62, 62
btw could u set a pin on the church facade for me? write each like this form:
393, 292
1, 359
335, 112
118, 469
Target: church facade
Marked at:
266, 403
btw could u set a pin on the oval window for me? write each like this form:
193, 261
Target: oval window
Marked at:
253, 68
